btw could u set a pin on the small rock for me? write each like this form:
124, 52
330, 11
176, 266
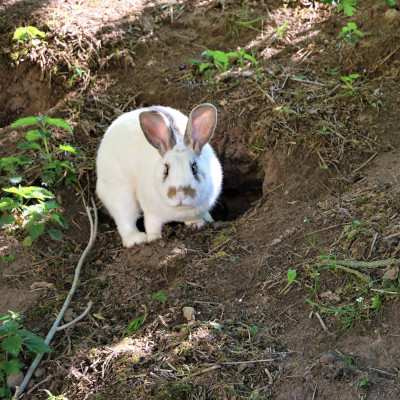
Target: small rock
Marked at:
391, 15
189, 313
39, 372
15, 380
329, 295
391, 274
69, 315
328, 358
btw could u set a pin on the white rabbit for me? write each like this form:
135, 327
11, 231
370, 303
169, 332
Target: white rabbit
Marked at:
157, 161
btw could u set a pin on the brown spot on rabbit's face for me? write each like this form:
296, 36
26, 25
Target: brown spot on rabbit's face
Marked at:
171, 192
186, 190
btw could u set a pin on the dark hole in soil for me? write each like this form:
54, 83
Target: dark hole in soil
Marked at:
235, 201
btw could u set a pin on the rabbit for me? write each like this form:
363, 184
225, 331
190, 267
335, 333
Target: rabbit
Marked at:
158, 162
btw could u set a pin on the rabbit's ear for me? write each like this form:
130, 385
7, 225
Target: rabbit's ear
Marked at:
201, 126
156, 130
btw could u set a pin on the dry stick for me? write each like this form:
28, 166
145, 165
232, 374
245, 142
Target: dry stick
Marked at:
363, 264
93, 233
363, 165
77, 319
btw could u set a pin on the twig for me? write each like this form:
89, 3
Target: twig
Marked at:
31, 390
206, 370
363, 165
315, 392
248, 362
349, 270
77, 319
321, 321
93, 233
328, 228
362, 264
270, 377
306, 81
371, 250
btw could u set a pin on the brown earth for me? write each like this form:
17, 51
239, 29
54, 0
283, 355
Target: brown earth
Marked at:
302, 159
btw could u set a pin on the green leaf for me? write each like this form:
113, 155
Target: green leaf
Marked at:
26, 121
29, 146
35, 230
4, 392
27, 242
59, 219
160, 296
12, 344
58, 123
34, 343
30, 192
7, 204
34, 135
27, 33
6, 220
135, 324
12, 366
9, 164
391, 3
349, 7
291, 276
55, 234
68, 148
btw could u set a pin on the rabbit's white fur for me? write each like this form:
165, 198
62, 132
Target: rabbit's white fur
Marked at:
131, 180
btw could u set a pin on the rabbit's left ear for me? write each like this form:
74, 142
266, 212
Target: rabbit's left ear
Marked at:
201, 126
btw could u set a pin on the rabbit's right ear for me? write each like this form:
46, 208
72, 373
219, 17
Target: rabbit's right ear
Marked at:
157, 132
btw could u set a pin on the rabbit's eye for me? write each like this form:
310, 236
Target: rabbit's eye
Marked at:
166, 171
195, 169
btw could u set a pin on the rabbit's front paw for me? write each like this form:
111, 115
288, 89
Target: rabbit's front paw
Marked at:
197, 224
153, 236
133, 238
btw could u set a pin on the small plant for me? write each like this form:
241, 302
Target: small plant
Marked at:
28, 33
222, 61
391, 3
55, 163
33, 209
291, 279
282, 30
15, 342
51, 396
160, 296
135, 324
364, 383
27, 41
347, 6
351, 33
348, 83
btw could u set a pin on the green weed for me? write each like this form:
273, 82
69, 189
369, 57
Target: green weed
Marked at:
160, 296
31, 208
348, 83
222, 61
351, 33
281, 30
15, 341
28, 33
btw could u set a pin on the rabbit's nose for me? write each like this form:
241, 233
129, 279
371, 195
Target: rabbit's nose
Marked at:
181, 193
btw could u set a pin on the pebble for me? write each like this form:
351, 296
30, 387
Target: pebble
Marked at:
188, 313
15, 380
391, 15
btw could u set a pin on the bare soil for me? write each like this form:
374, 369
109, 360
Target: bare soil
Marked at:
303, 159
